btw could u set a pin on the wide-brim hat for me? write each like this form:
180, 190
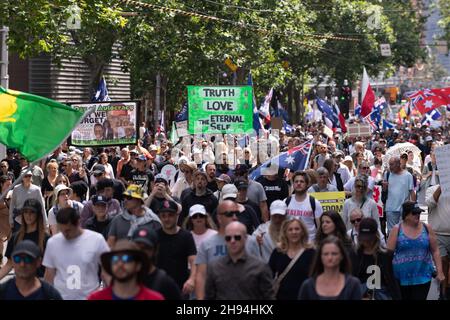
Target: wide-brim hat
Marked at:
191, 165
135, 191
59, 188
126, 247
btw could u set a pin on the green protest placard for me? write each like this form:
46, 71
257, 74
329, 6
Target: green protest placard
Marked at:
220, 109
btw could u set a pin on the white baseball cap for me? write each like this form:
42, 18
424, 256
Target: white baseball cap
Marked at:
229, 191
197, 208
278, 207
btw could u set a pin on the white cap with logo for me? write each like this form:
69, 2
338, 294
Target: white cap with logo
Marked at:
278, 207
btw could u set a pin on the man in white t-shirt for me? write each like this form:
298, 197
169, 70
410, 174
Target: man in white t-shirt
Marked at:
300, 206
72, 257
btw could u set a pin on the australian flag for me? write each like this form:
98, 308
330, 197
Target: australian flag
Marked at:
295, 159
387, 125
327, 110
102, 92
183, 114
431, 116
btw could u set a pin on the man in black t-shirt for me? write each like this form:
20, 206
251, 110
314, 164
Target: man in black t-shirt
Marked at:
275, 187
26, 285
156, 279
142, 176
177, 249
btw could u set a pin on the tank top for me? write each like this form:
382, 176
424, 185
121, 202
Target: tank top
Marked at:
412, 259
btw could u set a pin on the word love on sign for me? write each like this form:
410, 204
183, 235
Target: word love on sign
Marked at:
220, 109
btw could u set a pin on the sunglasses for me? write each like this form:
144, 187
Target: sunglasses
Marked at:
125, 258
128, 197
360, 186
365, 168
197, 216
26, 259
355, 221
237, 237
230, 214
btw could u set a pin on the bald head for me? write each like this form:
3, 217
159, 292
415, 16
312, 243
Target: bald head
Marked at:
227, 212
236, 227
235, 237
227, 205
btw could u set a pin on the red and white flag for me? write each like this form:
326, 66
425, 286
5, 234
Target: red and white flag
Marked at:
367, 95
427, 100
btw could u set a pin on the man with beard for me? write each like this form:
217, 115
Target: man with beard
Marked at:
200, 194
210, 169
127, 266
303, 206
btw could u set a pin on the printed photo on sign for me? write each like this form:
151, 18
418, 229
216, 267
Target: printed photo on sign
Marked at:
112, 123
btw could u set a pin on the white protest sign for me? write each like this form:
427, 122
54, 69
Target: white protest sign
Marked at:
442, 156
169, 172
182, 128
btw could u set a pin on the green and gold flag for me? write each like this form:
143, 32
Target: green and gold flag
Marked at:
34, 125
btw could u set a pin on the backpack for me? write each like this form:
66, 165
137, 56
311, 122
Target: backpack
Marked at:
74, 205
312, 202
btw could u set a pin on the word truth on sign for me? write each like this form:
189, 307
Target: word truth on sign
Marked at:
218, 93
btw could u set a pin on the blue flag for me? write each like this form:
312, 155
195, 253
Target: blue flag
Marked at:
327, 110
183, 114
358, 111
102, 92
295, 159
387, 125
431, 116
287, 127
375, 116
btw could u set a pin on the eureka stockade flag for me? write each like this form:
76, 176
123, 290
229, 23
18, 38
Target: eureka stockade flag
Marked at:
34, 125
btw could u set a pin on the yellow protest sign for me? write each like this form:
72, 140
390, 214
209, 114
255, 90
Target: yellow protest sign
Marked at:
330, 200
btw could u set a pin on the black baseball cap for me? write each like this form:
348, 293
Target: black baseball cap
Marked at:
27, 247
240, 183
146, 236
97, 199
167, 206
411, 207
368, 228
98, 169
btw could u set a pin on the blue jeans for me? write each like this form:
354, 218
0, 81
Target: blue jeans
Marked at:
392, 218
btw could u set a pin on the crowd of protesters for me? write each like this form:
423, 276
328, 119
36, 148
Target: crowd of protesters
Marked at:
113, 224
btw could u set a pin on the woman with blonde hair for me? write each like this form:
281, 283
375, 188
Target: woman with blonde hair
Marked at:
291, 260
49, 183
200, 224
